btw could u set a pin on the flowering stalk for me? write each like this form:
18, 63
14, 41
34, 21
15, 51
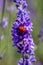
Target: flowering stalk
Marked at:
3, 9
21, 36
3, 22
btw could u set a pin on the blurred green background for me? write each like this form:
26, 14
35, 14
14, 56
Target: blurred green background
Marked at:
9, 53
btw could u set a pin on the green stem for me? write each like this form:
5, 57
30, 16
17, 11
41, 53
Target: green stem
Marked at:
3, 9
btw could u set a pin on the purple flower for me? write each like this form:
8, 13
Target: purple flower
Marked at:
40, 35
26, 46
17, 1
32, 58
10, 8
24, 4
27, 60
24, 62
41, 30
1, 56
19, 29
23, 14
20, 2
1, 37
21, 36
4, 22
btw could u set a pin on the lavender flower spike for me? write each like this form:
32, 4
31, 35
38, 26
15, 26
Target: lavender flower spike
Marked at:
1, 37
27, 60
22, 39
1, 57
4, 22
10, 8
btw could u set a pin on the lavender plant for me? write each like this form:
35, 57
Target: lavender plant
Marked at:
4, 20
21, 36
40, 35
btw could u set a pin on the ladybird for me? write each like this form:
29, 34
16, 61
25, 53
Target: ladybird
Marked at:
22, 28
